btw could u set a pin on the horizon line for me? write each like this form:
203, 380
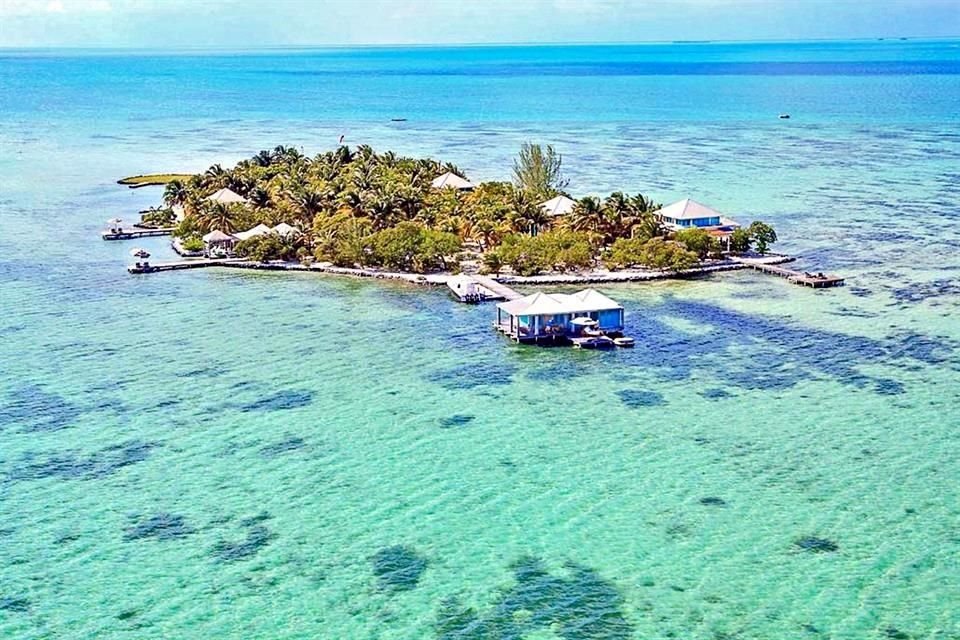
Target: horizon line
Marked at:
427, 45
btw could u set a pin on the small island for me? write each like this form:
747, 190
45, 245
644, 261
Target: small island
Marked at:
356, 209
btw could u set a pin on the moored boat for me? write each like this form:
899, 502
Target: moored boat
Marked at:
623, 341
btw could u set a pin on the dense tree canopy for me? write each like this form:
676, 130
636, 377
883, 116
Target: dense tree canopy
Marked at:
359, 207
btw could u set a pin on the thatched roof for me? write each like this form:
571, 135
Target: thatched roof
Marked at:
450, 180
559, 206
226, 196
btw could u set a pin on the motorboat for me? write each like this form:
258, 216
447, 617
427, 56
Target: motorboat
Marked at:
623, 341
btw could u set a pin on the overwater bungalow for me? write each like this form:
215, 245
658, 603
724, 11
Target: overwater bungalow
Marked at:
553, 317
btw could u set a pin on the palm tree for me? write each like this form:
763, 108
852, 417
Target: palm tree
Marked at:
587, 216
216, 216
259, 198
263, 159
216, 177
175, 193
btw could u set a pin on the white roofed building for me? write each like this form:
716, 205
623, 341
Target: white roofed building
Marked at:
226, 196
559, 206
549, 316
690, 213
450, 180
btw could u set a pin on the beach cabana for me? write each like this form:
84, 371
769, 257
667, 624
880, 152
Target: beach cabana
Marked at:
219, 243
226, 196
558, 316
259, 230
450, 180
559, 206
285, 230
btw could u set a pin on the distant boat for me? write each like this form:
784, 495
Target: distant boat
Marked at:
398, 119
784, 116
623, 341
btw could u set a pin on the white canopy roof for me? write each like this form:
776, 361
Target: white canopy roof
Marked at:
595, 300
559, 206
285, 229
451, 180
551, 304
226, 196
218, 236
687, 209
258, 230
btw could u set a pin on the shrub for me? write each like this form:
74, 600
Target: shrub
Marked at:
740, 241
697, 240
265, 247
763, 235
192, 243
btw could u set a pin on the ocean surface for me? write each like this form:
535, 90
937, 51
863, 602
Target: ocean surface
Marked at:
219, 454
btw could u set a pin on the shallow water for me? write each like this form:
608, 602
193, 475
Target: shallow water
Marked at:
237, 454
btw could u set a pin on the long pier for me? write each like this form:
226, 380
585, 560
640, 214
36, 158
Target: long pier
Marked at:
130, 234
146, 267
806, 279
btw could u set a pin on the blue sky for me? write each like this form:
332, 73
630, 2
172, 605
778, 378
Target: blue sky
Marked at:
261, 23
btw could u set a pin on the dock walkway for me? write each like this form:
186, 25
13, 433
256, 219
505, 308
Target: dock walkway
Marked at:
500, 289
130, 234
817, 281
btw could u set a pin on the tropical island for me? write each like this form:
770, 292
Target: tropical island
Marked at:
357, 208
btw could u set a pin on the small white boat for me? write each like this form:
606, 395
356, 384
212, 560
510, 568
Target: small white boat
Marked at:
624, 341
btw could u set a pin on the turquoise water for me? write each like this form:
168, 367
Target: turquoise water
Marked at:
232, 454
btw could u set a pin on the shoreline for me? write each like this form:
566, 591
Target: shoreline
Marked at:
441, 279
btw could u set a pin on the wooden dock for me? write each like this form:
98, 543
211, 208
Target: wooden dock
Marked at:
501, 290
142, 267
130, 234
806, 279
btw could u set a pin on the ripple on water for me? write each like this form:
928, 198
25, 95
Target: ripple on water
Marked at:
162, 526
286, 445
579, 605
281, 401
473, 375
398, 568
35, 409
637, 399
69, 465
456, 420
15, 605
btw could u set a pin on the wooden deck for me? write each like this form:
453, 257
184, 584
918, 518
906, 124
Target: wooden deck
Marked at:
498, 288
796, 277
130, 234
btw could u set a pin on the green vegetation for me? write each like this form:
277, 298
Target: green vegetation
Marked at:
152, 179
192, 243
537, 171
157, 217
763, 235
740, 241
653, 253
356, 207
557, 250
698, 241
